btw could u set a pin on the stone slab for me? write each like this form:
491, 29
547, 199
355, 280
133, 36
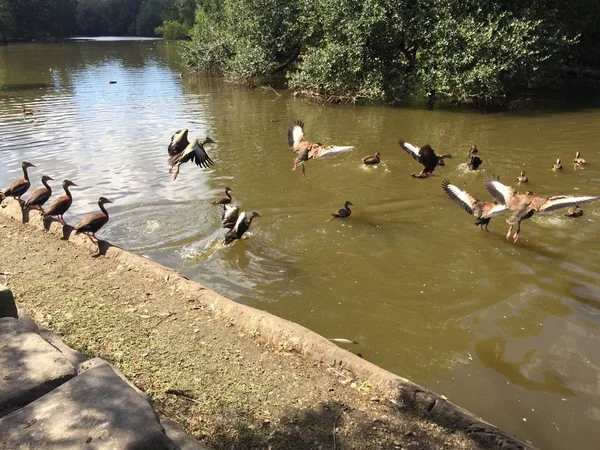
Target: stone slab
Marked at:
94, 410
29, 366
73, 356
8, 308
178, 435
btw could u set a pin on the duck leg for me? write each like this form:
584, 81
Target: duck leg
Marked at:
516, 236
294, 167
509, 232
176, 174
303, 171
485, 227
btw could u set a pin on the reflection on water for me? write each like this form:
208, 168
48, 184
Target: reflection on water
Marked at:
508, 331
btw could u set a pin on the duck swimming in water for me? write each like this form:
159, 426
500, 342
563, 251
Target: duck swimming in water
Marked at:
342, 213
60, 205
579, 161
93, 222
522, 178
424, 155
483, 211
181, 151
241, 226
474, 161
557, 166
524, 206
17, 188
372, 159
41, 195
306, 150
26, 112
574, 211
224, 200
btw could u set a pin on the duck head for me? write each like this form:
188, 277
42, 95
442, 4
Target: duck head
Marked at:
377, 154
67, 183
348, 203
103, 200
46, 178
208, 140
27, 165
228, 189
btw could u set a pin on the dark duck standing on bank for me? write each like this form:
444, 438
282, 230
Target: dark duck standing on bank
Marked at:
474, 161
19, 187
60, 205
92, 223
372, 159
224, 200
181, 151
483, 211
306, 150
524, 206
424, 155
229, 216
241, 226
41, 195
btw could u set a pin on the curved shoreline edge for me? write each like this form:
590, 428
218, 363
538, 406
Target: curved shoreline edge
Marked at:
401, 392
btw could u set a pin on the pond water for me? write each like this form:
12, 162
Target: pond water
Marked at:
508, 331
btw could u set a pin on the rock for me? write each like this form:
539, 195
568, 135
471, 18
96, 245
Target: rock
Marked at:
26, 320
178, 435
96, 407
74, 357
8, 308
31, 367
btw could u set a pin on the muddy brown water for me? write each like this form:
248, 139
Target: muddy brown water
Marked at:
510, 332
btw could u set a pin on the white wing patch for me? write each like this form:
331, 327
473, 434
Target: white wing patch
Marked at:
499, 191
463, 196
298, 134
332, 150
558, 202
495, 210
241, 217
412, 148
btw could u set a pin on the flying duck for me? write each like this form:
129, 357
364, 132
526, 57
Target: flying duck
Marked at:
524, 206
557, 165
483, 211
41, 195
306, 150
574, 211
424, 155
579, 161
224, 200
474, 161
61, 204
181, 151
17, 188
372, 159
522, 178
241, 226
229, 216
344, 212
93, 222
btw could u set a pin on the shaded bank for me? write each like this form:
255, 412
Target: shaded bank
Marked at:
232, 374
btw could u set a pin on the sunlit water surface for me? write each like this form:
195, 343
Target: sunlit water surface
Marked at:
507, 331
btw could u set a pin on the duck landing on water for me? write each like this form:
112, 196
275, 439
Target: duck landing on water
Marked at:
230, 216
524, 206
372, 159
483, 211
92, 223
181, 151
306, 150
424, 155
17, 188
241, 226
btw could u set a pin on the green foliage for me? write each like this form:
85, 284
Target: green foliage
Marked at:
173, 30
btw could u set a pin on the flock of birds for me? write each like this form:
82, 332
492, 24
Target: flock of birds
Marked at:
181, 150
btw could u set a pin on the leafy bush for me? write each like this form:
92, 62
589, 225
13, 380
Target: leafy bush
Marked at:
173, 30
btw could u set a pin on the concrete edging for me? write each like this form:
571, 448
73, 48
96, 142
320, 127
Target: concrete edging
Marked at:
291, 336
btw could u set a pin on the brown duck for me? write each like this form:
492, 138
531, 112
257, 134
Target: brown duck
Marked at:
93, 222
574, 211
524, 206
424, 155
181, 151
372, 159
522, 178
557, 166
241, 226
579, 161
306, 150
483, 211
19, 187
60, 205
41, 195
224, 200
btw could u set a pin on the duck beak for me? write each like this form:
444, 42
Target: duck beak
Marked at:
108, 201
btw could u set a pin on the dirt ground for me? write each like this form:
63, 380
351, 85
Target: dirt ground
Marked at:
229, 388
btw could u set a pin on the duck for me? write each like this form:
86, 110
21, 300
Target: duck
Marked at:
112, 82
579, 161
344, 212
241, 226
230, 216
60, 205
557, 165
524, 206
431, 98
574, 211
26, 112
17, 188
306, 150
224, 200
483, 211
372, 159
522, 178
441, 158
182, 151
93, 222
41, 195
424, 155
474, 161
